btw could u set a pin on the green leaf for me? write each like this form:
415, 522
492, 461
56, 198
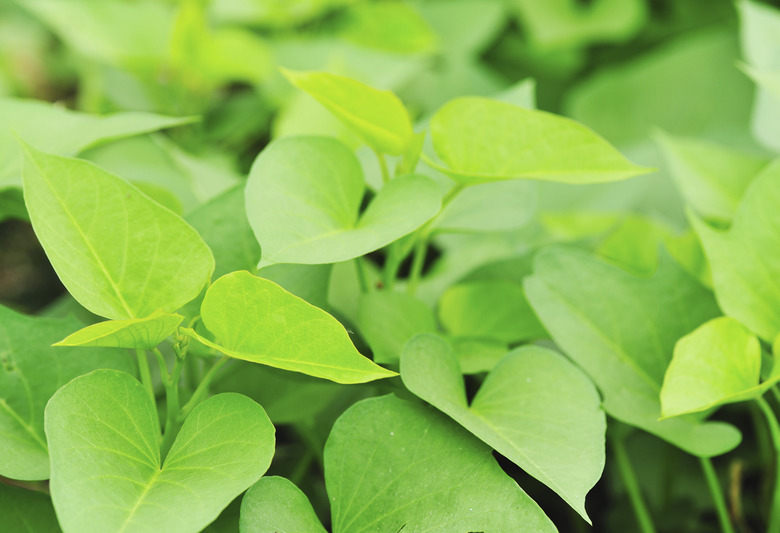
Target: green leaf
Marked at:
481, 140
30, 372
256, 320
274, 504
394, 26
25, 511
303, 199
718, 363
392, 465
107, 473
379, 118
498, 206
633, 244
555, 432
60, 131
745, 259
134, 333
120, 254
621, 330
712, 178
477, 355
388, 319
489, 309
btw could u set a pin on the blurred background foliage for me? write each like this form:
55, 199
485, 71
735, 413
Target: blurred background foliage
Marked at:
672, 83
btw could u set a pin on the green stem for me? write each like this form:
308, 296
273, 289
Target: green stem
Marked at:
362, 276
632, 486
776, 394
774, 433
390, 271
146, 375
717, 495
203, 388
171, 408
163, 367
383, 167
418, 260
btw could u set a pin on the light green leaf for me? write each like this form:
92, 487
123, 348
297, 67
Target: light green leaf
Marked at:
633, 244
120, 254
481, 140
30, 372
498, 206
256, 320
621, 330
718, 363
745, 259
377, 117
392, 465
535, 408
712, 178
25, 511
396, 27
388, 319
274, 504
134, 333
477, 355
489, 309
303, 199
63, 132
107, 473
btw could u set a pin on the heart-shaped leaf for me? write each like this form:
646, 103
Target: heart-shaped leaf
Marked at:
621, 330
377, 117
106, 467
303, 199
134, 333
120, 254
275, 504
718, 363
745, 259
481, 140
63, 132
256, 320
31, 370
535, 408
391, 465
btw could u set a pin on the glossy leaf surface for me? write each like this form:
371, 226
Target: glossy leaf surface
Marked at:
256, 320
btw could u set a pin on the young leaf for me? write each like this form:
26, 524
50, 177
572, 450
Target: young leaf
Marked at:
535, 408
489, 309
107, 473
26, 511
718, 363
712, 178
30, 372
120, 254
275, 504
481, 140
621, 330
303, 198
745, 259
256, 320
60, 131
388, 319
134, 333
392, 465
377, 117
499, 206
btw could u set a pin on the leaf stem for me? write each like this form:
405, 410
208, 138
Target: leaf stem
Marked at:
171, 408
418, 260
717, 495
383, 166
632, 486
362, 276
146, 376
392, 263
774, 433
163, 367
203, 388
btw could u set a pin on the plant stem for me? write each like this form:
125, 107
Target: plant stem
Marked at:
171, 401
717, 495
203, 388
418, 260
774, 433
383, 167
146, 376
390, 271
632, 486
362, 276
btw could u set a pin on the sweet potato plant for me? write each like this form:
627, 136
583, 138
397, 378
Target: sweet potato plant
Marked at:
328, 266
